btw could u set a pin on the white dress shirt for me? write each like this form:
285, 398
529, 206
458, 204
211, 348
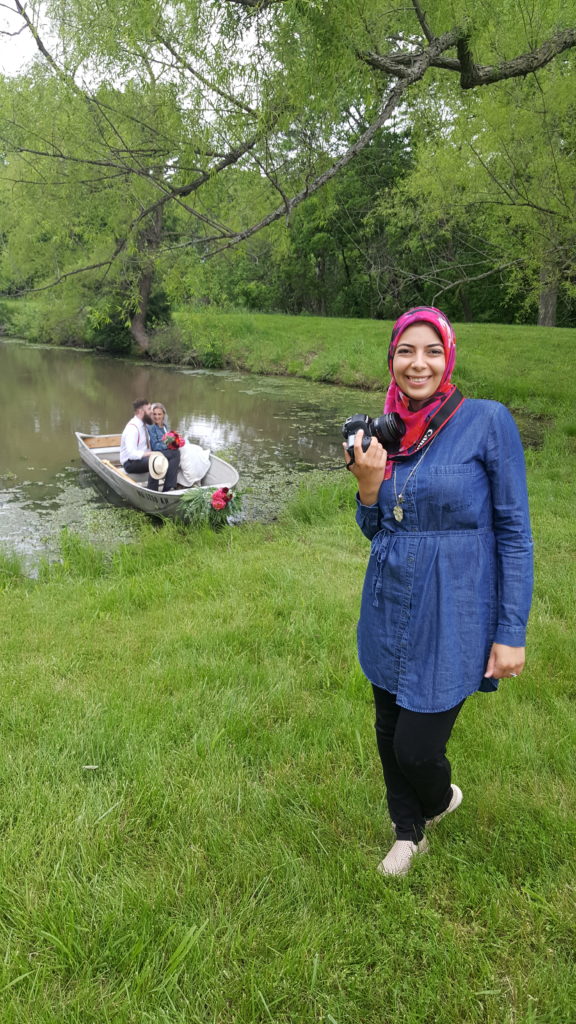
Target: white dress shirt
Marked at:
134, 442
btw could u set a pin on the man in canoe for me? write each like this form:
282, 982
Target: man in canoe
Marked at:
135, 449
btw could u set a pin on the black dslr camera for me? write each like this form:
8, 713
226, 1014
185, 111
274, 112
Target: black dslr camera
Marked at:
388, 429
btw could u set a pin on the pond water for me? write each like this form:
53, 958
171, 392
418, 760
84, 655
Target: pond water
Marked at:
272, 429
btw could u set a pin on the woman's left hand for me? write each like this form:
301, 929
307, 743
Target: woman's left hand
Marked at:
505, 661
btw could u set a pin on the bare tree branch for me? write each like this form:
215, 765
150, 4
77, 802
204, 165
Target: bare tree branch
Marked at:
479, 277
398, 62
69, 273
4, 32
275, 184
473, 75
423, 23
45, 53
123, 168
506, 190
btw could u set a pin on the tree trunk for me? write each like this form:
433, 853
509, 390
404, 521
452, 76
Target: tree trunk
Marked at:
138, 322
548, 296
149, 242
466, 307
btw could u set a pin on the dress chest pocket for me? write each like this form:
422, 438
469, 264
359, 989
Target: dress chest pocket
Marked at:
451, 487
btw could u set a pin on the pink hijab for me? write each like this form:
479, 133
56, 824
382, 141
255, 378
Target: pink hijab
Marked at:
423, 424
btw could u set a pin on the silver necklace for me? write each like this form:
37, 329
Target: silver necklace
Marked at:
398, 511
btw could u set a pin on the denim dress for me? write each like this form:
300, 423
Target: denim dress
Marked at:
455, 575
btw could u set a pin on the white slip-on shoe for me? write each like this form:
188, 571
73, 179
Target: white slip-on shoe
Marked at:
399, 859
455, 802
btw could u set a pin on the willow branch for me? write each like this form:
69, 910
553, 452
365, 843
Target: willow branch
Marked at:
257, 5
419, 67
228, 97
43, 50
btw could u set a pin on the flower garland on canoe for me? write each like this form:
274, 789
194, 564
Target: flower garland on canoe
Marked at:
199, 507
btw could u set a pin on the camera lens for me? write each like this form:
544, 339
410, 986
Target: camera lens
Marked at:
389, 429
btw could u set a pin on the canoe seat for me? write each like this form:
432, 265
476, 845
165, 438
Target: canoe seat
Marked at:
119, 470
105, 441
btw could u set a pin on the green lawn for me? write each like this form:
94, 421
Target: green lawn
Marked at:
218, 865
519, 359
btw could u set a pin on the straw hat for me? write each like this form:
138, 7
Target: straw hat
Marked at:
158, 465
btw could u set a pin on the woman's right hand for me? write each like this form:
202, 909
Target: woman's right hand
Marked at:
368, 468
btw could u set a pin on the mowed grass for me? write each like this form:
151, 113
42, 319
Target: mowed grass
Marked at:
216, 864
526, 363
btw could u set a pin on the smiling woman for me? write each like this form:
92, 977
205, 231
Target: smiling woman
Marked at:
449, 579
419, 363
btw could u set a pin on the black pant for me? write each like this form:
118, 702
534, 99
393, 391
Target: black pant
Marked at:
412, 748
141, 466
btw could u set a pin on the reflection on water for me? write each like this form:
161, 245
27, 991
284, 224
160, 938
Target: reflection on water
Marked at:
271, 428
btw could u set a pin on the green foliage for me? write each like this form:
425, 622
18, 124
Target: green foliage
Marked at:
493, 187
201, 118
108, 323
6, 317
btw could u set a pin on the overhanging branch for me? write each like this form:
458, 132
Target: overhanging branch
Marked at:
472, 75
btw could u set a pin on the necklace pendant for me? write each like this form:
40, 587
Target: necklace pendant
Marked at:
398, 513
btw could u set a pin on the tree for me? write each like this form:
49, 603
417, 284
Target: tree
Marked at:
501, 191
267, 85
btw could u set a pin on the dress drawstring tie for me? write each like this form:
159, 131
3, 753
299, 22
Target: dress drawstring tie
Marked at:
380, 546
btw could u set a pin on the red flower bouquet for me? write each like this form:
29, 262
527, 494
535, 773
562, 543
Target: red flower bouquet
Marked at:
173, 439
221, 498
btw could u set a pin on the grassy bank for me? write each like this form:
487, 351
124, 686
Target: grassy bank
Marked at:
192, 806
354, 352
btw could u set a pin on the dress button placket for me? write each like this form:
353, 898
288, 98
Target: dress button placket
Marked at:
410, 525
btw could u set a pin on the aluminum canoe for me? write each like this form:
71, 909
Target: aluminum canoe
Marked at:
101, 452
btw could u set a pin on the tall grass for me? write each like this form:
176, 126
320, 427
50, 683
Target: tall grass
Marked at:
192, 807
10, 569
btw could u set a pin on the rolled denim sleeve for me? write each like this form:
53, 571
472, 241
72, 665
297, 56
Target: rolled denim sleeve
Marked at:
368, 518
514, 549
